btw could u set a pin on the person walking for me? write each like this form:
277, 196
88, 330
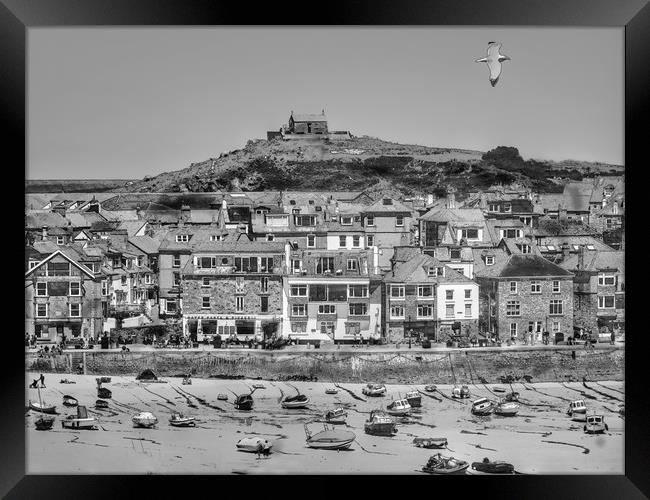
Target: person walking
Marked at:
612, 338
42, 380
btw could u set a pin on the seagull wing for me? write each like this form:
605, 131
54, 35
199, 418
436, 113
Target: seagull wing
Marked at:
493, 50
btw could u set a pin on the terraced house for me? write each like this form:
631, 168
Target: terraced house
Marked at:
332, 296
233, 288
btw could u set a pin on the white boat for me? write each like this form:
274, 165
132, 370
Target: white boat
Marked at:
595, 424
294, 402
482, 406
81, 421
145, 419
331, 390
254, 444
336, 416
577, 407
374, 390
398, 407
414, 398
379, 423
506, 408
180, 420
330, 439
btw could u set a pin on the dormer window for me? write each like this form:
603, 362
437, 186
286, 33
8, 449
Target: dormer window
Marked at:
318, 208
591, 247
507, 207
295, 211
346, 221
215, 237
489, 260
370, 220
311, 202
399, 220
524, 248
455, 253
60, 240
493, 207
182, 238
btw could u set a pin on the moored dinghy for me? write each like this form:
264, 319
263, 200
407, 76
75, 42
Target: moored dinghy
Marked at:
101, 404
254, 444
398, 408
496, 467
179, 420
330, 439
379, 423
437, 464
482, 407
295, 402
331, 390
81, 421
374, 390
42, 407
70, 401
336, 416
430, 388
414, 398
430, 442
506, 408
44, 423
595, 424
144, 419
244, 402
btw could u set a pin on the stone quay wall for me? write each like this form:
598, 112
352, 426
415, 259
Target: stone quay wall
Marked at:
397, 366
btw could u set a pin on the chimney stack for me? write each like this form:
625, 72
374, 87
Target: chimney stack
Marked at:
186, 212
565, 251
451, 199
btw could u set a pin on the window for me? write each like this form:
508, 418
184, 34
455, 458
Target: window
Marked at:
304, 220
591, 247
298, 327
396, 312
264, 304
318, 293
525, 248
469, 234
176, 260
325, 264
327, 327
468, 293
75, 288
399, 220
510, 233
342, 240
507, 207
513, 287
356, 240
337, 293
204, 262
606, 302
41, 310
215, 237
371, 240
346, 220
298, 290
513, 329
606, 279
41, 289
246, 264
468, 310
370, 220
296, 265
182, 238
425, 291
489, 260
205, 281
513, 308
358, 290
358, 309
311, 241
33, 264
298, 310
555, 307
295, 211
397, 291
205, 303
177, 279
352, 264
555, 326
58, 269
556, 286
535, 287
264, 284
171, 306
266, 264
352, 328
493, 207
449, 295
270, 237
123, 280
58, 288
526, 220
104, 287
425, 310
449, 311
454, 253
239, 303
75, 310
60, 240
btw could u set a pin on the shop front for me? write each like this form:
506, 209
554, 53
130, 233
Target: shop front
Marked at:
206, 326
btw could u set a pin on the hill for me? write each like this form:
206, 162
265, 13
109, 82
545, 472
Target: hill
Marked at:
365, 163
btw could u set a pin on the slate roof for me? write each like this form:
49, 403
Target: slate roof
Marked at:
132, 226
145, 243
522, 266
414, 271
305, 117
454, 215
243, 246
395, 207
595, 260
36, 220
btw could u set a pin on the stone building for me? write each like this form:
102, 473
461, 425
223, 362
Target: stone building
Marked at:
233, 288
521, 292
388, 224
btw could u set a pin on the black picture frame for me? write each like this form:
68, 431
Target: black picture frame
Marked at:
16, 16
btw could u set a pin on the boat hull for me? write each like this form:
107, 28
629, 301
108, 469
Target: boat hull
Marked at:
183, 423
461, 469
380, 429
415, 402
79, 423
42, 409
430, 443
493, 468
143, 424
334, 445
44, 424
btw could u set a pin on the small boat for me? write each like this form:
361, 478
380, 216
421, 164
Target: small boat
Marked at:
595, 424
496, 467
70, 401
66, 381
179, 420
482, 407
512, 396
244, 402
103, 380
259, 386
42, 407
330, 439
379, 423
455, 392
81, 421
144, 419
430, 442
430, 388
101, 404
44, 423
438, 464
577, 407
336, 416
222, 397
331, 390
254, 444
464, 391
414, 398
103, 392
398, 408
374, 390
186, 381
498, 389
294, 402
506, 408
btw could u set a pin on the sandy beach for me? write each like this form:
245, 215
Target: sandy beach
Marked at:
541, 439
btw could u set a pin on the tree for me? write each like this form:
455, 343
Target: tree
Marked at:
504, 157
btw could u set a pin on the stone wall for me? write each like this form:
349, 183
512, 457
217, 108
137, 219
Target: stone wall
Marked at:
407, 366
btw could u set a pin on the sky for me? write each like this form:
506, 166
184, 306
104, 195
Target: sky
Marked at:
121, 103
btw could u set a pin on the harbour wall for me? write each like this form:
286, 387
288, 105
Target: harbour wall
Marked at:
399, 366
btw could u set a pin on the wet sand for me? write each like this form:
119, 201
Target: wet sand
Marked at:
541, 439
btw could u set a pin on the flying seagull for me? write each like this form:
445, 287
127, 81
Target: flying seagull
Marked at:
493, 60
